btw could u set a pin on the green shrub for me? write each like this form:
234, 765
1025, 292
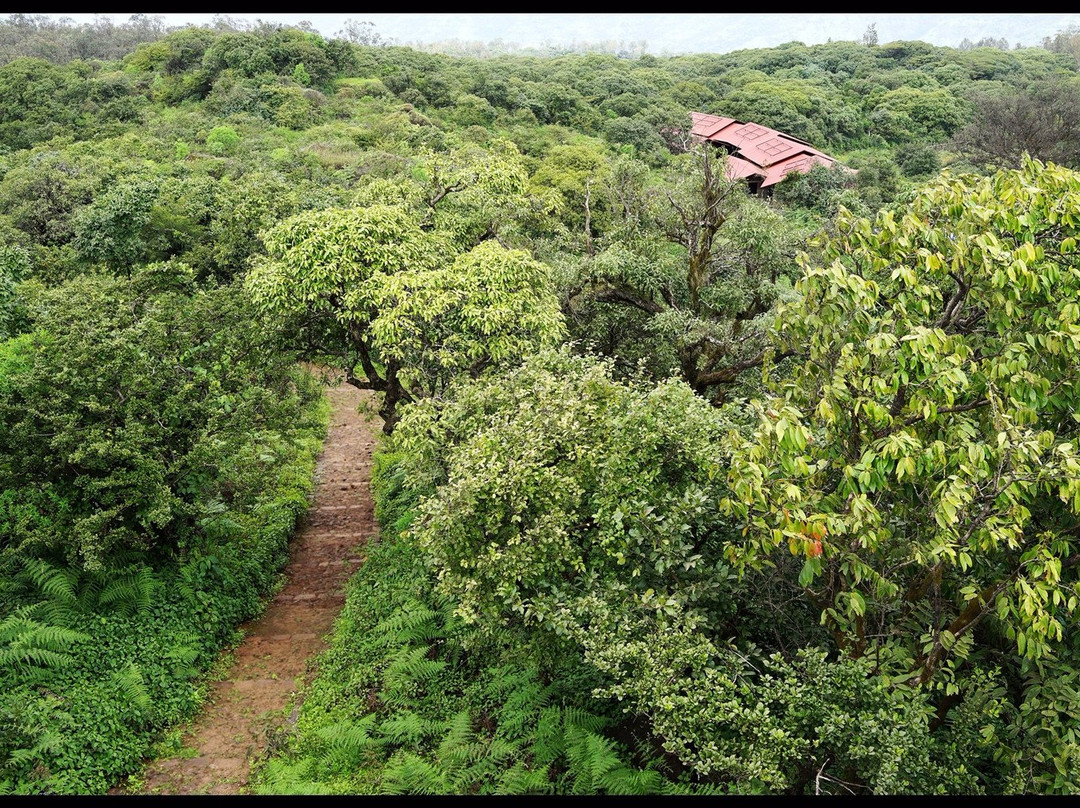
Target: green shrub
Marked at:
222, 139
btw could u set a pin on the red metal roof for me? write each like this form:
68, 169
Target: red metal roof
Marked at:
738, 169
802, 164
756, 149
707, 125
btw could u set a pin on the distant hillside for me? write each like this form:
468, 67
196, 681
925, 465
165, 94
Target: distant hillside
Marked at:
716, 33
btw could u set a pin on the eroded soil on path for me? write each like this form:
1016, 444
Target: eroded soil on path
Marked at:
254, 698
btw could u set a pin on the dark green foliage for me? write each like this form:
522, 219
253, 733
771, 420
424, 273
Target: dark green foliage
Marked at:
42, 191
14, 266
917, 160
1041, 120
115, 436
61, 40
684, 272
156, 451
636, 133
821, 189
877, 181
102, 661
277, 50
39, 101
109, 230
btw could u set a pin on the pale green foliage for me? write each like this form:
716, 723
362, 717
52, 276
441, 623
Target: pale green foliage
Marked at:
924, 457
415, 313
300, 75
467, 193
492, 305
766, 725
574, 172
222, 139
560, 486
331, 261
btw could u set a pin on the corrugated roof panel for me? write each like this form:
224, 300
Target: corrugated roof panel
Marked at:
706, 126
738, 169
775, 146
800, 164
751, 131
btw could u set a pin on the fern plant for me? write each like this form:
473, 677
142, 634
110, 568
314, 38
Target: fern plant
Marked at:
351, 744
129, 592
405, 674
125, 586
130, 683
32, 733
29, 648
280, 777
409, 773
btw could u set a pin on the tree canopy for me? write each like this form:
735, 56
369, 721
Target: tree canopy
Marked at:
400, 304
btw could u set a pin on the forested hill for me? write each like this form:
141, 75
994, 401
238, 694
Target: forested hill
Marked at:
840, 94
683, 489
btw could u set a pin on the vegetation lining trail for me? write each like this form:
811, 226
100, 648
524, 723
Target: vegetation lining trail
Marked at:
248, 702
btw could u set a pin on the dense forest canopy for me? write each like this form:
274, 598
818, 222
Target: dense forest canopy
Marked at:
683, 489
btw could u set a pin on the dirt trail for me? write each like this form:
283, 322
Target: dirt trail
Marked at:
248, 704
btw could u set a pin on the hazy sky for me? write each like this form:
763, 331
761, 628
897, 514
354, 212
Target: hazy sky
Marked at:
672, 33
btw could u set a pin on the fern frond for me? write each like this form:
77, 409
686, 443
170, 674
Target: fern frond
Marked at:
705, 789
48, 741
347, 742
406, 728
591, 757
502, 749
629, 781
16, 626
184, 654
89, 592
130, 683
468, 759
521, 706
23, 658
53, 582
460, 736
414, 622
22, 629
504, 679
130, 592
26, 644
54, 612
548, 739
408, 773
519, 780
408, 667
279, 777
583, 719
447, 616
